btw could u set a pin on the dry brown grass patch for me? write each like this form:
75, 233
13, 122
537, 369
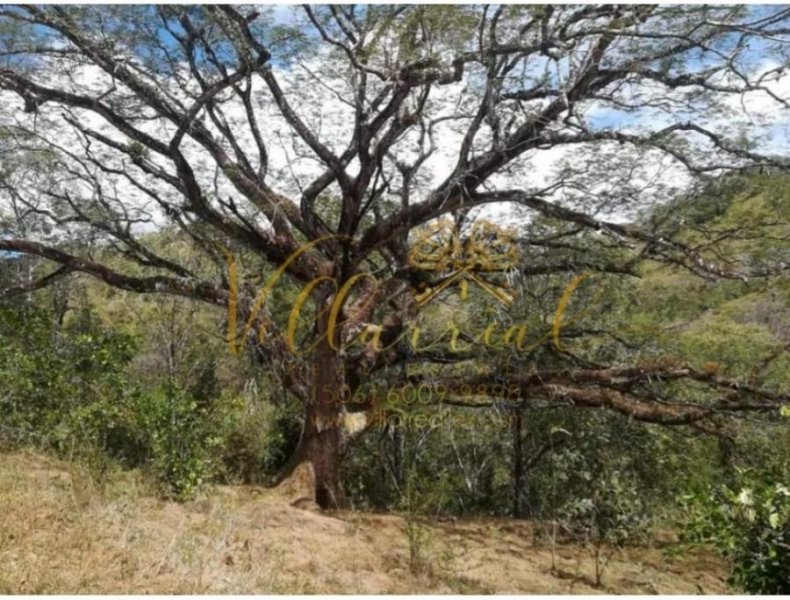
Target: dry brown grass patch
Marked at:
62, 533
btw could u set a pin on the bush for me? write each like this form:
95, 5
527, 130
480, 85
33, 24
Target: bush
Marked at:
749, 523
62, 390
69, 391
256, 437
176, 433
611, 515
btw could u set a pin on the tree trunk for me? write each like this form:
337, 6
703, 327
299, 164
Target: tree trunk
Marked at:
322, 440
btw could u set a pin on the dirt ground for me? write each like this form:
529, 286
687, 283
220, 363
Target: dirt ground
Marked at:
59, 534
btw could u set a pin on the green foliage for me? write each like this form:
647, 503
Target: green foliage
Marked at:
428, 29
179, 441
749, 523
256, 437
412, 504
612, 514
455, 465
72, 391
61, 388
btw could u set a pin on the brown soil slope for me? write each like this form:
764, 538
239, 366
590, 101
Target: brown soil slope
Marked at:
58, 534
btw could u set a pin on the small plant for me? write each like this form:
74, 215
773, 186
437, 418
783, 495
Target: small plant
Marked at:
749, 524
178, 439
417, 534
601, 502
612, 516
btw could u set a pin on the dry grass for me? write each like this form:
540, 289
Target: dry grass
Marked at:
60, 534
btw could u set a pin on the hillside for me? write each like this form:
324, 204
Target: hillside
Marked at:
59, 534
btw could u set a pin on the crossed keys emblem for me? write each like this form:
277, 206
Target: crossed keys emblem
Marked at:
486, 248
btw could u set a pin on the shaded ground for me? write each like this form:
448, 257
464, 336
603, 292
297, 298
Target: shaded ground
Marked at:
58, 534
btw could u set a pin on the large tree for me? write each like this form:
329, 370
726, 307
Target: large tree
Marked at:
316, 139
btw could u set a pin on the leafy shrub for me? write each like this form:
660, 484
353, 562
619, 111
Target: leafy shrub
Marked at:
749, 523
611, 515
68, 390
176, 432
61, 390
256, 437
